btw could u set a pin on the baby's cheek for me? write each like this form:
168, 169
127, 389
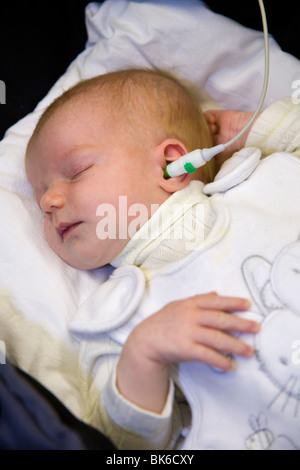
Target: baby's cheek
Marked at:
51, 235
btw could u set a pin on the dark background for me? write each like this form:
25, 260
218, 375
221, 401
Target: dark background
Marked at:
38, 40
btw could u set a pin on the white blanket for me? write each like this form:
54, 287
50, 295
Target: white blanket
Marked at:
224, 60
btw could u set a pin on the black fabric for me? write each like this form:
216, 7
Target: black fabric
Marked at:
38, 41
31, 418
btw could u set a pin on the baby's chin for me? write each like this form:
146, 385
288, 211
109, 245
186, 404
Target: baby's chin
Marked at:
79, 254
84, 264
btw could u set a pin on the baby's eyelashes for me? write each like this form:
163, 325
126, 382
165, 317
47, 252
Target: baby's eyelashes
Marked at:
79, 172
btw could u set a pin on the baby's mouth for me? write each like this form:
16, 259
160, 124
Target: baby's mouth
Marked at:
65, 229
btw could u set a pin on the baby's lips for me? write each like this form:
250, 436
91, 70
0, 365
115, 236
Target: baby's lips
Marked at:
63, 227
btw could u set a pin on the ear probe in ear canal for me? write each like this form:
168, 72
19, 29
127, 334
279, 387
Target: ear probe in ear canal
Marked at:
191, 161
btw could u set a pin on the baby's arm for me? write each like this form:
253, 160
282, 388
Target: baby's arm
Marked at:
275, 129
195, 329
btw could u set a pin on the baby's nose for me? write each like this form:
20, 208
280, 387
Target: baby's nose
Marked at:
52, 199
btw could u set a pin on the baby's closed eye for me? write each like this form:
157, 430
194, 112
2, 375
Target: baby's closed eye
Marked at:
76, 173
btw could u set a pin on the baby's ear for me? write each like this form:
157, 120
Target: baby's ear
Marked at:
169, 151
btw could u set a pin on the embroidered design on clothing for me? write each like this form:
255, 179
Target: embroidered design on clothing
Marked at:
261, 438
275, 290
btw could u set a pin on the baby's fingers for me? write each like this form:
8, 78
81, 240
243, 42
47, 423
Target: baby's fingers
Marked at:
218, 302
214, 358
220, 341
212, 120
227, 322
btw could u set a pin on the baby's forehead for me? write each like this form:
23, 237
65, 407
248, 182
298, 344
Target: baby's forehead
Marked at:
60, 118
65, 119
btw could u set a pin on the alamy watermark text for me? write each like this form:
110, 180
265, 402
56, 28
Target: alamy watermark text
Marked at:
2, 352
2, 92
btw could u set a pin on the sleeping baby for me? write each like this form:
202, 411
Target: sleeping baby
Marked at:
157, 330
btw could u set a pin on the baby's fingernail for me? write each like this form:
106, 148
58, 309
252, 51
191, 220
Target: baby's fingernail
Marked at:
234, 366
249, 351
255, 327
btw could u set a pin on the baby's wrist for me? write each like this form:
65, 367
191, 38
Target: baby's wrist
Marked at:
140, 359
142, 380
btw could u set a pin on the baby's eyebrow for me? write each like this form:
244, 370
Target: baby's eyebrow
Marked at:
76, 157
77, 150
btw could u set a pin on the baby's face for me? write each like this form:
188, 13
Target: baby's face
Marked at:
87, 177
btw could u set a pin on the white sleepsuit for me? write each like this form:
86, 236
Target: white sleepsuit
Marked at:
243, 240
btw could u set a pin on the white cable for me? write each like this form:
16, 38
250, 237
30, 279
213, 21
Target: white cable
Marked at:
266, 76
191, 161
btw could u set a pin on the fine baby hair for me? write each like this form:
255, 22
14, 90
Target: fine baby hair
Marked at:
149, 101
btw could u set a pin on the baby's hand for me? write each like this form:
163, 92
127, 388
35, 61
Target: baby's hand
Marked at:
224, 125
194, 329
